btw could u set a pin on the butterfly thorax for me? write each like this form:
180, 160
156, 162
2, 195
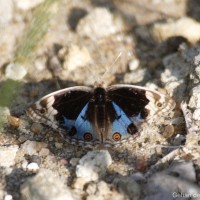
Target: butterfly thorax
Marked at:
100, 115
99, 96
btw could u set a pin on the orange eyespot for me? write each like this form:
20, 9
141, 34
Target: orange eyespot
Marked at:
87, 137
43, 110
158, 104
116, 136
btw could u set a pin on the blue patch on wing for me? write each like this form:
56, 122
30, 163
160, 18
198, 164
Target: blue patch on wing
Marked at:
67, 123
121, 124
81, 124
137, 118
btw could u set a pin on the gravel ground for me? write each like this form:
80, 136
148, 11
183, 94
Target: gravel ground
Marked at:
48, 45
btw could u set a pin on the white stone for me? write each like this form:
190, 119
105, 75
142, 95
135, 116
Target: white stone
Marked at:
76, 57
195, 98
93, 165
7, 155
133, 64
45, 185
98, 24
32, 147
8, 197
24, 164
33, 166
196, 114
162, 31
6, 11
197, 70
29, 147
79, 183
135, 76
27, 4
15, 71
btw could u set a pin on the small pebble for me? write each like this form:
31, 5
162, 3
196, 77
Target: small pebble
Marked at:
6, 11
35, 159
195, 98
15, 71
158, 150
36, 128
135, 76
32, 166
45, 185
168, 131
75, 57
44, 152
27, 4
179, 139
91, 188
74, 161
99, 23
24, 164
162, 31
63, 162
8, 197
196, 114
79, 183
7, 155
32, 147
101, 190
93, 165
133, 64
22, 139
13, 121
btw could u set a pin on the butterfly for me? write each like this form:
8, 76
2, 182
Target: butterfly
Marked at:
97, 116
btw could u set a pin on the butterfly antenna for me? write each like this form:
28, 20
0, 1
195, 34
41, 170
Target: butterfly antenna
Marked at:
109, 69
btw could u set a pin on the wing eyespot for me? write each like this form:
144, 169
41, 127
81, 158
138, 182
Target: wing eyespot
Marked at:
158, 104
87, 137
132, 129
43, 110
116, 136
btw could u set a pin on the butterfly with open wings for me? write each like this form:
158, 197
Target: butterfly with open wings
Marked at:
107, 116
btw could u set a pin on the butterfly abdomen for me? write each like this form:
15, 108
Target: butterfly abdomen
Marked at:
100, 111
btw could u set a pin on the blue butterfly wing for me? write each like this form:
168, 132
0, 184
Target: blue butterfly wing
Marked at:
66, 111
78, 128
126, 113
121, 126
121, 123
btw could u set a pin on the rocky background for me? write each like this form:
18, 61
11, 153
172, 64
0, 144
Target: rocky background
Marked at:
46, 45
